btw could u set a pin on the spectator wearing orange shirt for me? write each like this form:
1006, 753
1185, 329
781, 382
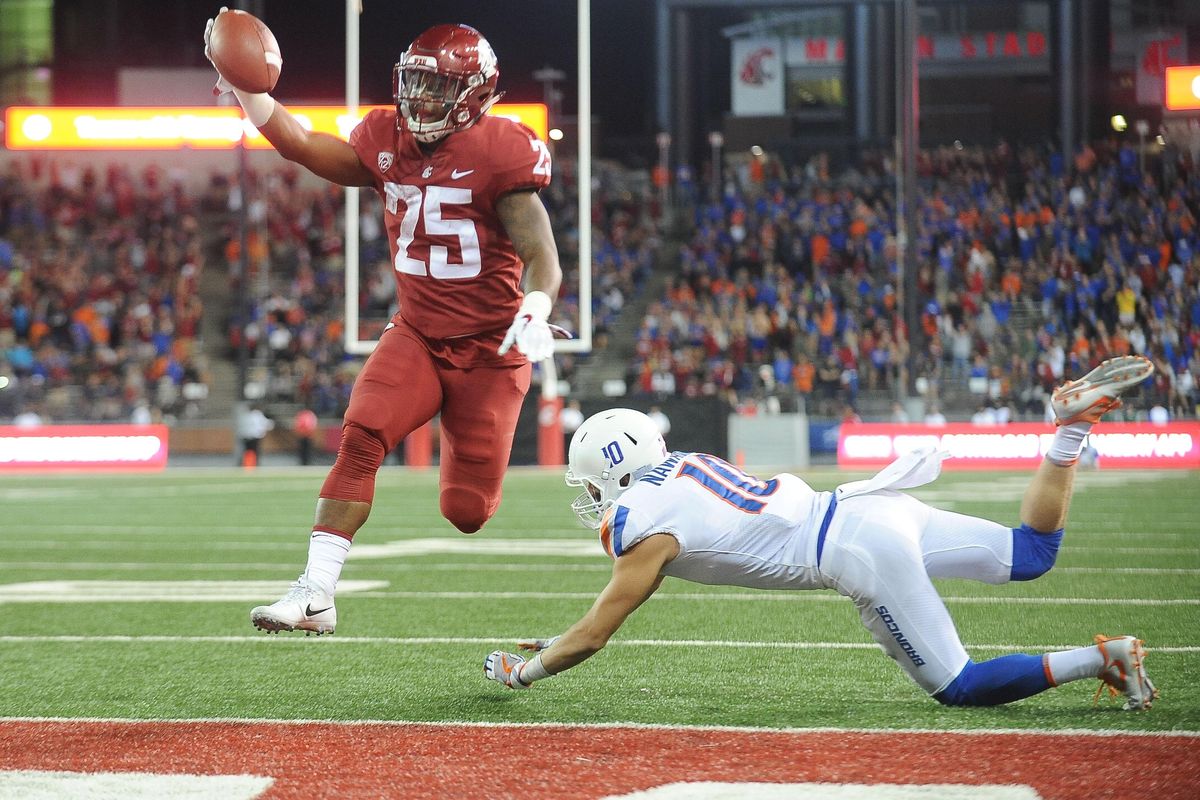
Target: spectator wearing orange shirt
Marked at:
803, 374
820, 249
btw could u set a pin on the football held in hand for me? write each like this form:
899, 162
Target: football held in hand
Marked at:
244, 51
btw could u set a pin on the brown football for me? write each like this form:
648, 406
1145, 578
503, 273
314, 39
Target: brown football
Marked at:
244, 51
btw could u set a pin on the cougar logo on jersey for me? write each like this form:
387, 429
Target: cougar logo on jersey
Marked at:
425, 173
385, 160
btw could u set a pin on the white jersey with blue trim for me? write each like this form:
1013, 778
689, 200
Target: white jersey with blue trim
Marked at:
732, 528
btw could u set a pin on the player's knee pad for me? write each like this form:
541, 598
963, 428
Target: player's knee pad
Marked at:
360, 455
466, 509
1033, 552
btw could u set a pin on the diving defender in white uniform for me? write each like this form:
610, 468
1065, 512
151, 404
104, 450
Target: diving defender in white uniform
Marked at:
696, 517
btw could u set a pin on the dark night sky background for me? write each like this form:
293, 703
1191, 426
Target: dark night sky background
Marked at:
94, 37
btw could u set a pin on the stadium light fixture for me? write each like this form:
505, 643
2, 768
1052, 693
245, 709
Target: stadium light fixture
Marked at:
556, 134
1119, 123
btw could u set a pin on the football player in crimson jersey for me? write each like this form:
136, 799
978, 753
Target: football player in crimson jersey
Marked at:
462, 212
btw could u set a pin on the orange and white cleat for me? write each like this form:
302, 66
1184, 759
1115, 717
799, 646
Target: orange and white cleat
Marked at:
1125, 672
1098, 392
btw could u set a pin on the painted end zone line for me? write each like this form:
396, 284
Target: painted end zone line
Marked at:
329, 641
592, 762
604, 726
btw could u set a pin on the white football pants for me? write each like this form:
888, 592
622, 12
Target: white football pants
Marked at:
881, 551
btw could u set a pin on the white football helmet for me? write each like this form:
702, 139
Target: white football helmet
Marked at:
608, 452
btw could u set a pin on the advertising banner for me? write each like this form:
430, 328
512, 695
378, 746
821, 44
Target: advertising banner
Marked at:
182, 127
1020, 445
83, 448
758, 76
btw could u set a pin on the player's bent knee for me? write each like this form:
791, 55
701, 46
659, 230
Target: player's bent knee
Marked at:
1034, 552
964, 690
465, 509
996, 681
360, 455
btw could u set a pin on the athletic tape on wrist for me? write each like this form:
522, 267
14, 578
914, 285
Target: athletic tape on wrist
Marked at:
534, 671
537, 305
258, 107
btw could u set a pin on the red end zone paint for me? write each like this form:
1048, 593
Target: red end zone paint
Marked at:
447, 761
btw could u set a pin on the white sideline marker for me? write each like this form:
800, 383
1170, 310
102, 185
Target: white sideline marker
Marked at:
705, 790
38, 785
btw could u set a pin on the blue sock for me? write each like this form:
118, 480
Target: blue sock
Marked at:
999, 680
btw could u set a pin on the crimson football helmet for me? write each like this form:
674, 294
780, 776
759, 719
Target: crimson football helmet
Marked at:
444, 82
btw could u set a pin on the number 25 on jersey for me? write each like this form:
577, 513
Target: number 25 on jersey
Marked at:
413, 205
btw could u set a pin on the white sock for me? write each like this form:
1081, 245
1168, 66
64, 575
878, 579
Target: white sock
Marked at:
326, 555
1073, 665
1068, 443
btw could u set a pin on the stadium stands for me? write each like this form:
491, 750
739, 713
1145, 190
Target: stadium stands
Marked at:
100, 317
785, 291
787, 288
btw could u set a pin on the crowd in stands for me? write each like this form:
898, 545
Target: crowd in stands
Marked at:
288, 309
1032, 269
100, 317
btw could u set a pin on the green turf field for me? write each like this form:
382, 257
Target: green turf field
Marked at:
433, 603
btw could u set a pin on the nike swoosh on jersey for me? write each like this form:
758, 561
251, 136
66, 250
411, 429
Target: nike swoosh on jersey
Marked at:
455, 174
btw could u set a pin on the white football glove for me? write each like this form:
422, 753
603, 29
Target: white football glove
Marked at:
505, 668
222, 86
529, 330
536, 645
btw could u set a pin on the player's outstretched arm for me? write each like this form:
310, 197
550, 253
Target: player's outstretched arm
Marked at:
636, 575
326, 156
321, 153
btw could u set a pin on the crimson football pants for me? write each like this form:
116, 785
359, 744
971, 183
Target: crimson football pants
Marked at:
401, 387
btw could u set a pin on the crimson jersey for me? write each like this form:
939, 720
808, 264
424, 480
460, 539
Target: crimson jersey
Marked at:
457, 273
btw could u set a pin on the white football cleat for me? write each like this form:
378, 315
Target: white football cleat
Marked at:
1098, 392
1125, 672
303, 608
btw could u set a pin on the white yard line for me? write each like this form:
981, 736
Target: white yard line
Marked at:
9, 565
651, 726
196, 591
323, 641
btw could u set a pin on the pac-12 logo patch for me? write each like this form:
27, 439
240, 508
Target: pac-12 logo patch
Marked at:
385, 161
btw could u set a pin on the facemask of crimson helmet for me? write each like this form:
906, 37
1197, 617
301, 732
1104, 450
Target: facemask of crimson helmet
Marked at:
444, 82
608, 453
